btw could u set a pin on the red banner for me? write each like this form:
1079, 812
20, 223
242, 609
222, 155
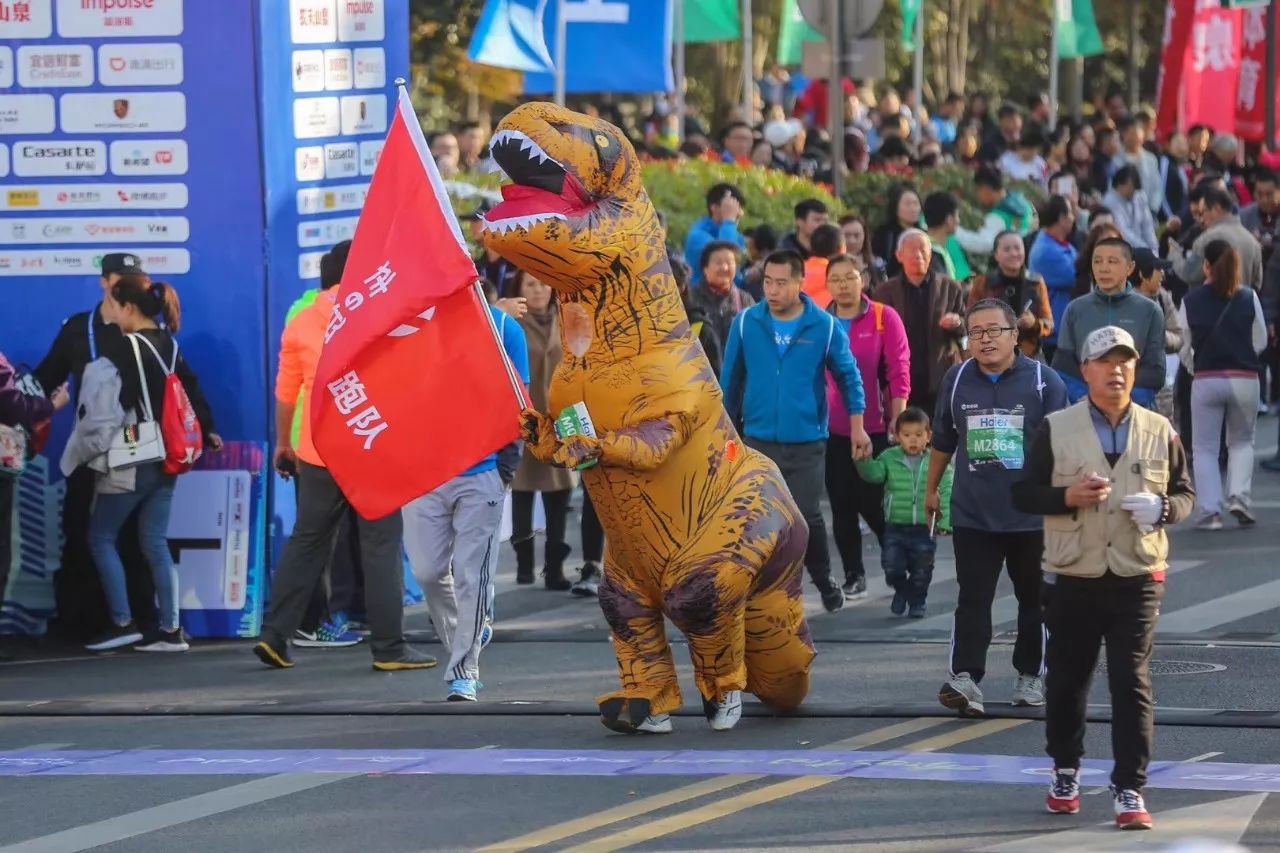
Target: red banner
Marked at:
1199, 65
1251, 99
413, 385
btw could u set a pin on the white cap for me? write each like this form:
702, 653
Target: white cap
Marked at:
1104, 340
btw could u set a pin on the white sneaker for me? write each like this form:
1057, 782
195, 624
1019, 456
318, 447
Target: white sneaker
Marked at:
724, 715
656, 724
1236, 507
1212, 521
1028, 691
962, 694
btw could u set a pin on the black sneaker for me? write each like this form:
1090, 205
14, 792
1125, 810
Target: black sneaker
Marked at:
164, 641
273, 657
410, 658
832, 597
855, 589
115, 637
588, 583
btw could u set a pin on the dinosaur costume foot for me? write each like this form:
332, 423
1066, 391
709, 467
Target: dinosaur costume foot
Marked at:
633, 716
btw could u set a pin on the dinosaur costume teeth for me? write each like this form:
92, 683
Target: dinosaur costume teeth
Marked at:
700, 528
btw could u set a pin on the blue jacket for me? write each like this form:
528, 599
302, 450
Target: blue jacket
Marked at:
703, 233
513, 341
783, 398
1056, 264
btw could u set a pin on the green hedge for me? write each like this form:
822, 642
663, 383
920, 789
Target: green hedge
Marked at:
679, 191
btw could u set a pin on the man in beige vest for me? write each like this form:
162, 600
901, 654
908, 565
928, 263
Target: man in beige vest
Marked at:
1108, 477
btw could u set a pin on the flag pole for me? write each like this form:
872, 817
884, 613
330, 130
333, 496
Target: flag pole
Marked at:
680, 66
748, 61
917, 70
835, 99
1269, 90
562, 50
1054, 63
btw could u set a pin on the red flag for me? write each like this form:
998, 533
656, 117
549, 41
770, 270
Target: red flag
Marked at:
1178, 18
1200, 64
413, 385
1251, 100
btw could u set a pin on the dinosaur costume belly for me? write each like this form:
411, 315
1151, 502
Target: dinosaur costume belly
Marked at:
700, 529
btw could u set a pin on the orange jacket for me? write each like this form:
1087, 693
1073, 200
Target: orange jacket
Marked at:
815, 282
300, 347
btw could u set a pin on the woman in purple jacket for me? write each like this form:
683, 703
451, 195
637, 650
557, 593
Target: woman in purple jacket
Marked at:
23, 411
878, 342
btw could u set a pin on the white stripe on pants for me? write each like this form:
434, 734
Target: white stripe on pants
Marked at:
451, 536
1213, 400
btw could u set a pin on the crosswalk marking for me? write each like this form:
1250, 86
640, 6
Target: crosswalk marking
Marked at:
1226, 608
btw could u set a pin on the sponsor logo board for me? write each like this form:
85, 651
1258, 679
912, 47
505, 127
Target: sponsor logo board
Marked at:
89, 261
149, 157
94, 197
26, 114
332, 199
26, 19
119, 18
371, 67
95, 229
4, 161
308, 70
313, 21
341, 160
309, 163
369, 153
53, 66
59, 158
158, 64
364, 114
326, 232
125, 112
6, 67
309, 265
337, 70
361, 20
314, 118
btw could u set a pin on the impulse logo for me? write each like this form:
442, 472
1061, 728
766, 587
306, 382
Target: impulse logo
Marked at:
116, 5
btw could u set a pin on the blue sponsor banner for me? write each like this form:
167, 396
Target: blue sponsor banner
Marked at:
509, 35
612, 46
226, 143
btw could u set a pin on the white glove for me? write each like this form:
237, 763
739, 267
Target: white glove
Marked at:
1145, 508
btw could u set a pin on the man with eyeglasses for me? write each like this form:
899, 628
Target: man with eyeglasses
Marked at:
988, 409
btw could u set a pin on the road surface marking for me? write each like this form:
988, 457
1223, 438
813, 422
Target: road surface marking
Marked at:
771, 793
1217, 611
627, 811
1005, 608
133, 824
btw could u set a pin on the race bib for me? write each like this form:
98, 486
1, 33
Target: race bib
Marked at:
994, 438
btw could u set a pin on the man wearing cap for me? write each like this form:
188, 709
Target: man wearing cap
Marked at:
1108, 477
82, 610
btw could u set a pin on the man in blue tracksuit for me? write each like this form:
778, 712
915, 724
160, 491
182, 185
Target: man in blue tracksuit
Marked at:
989, 407
775, 379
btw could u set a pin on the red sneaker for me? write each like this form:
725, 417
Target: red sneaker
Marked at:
1131, 811
1064, 792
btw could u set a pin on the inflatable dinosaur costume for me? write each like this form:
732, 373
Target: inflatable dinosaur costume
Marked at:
700, 528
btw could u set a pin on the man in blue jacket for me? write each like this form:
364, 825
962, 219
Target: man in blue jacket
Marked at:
774, 378
725, 206
1053, 258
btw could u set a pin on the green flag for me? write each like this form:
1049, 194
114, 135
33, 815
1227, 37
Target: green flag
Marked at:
1077, 30
711, 20
910, 13
793, 34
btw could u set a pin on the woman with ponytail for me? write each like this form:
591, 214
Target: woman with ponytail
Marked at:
1226, 333
136, 306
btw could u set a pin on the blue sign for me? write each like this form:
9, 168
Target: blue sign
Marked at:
147, 126
611, 46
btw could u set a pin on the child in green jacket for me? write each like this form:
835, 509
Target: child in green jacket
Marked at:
909, 545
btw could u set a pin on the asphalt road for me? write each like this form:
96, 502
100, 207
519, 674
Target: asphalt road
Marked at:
212, 752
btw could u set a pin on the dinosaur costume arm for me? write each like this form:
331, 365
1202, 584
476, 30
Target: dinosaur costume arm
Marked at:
645, 446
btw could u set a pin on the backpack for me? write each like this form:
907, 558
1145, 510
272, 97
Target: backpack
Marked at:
179, 426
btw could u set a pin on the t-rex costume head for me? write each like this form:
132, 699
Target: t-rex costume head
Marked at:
699, 528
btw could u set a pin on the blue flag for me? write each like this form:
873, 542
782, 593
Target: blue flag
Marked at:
612, 46
509, 34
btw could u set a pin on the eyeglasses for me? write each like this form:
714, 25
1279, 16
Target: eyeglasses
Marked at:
989, 334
